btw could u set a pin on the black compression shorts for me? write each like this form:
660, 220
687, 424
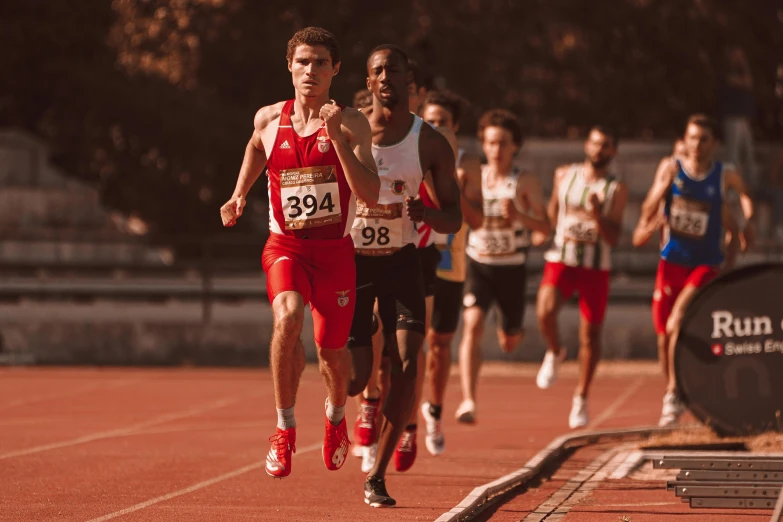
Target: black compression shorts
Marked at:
501, 284
397, 282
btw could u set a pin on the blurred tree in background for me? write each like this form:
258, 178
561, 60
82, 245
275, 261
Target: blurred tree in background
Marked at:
153, 100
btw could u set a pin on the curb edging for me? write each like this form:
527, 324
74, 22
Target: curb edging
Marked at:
481, 495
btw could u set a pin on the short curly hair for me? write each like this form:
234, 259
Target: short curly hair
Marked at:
503, 119
446, 99
313, 36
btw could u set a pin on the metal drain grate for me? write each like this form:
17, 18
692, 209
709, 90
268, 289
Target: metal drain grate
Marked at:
736, 481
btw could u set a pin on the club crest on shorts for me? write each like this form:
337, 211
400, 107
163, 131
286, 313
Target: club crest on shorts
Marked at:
342, 300
398, 186
323, 144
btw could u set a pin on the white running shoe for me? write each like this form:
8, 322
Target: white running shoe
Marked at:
672, 409
547, 375
466, 412
578, 417
434, 438
368, 458
357, 451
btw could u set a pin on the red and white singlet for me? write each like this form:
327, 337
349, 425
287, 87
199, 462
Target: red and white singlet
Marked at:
308, 194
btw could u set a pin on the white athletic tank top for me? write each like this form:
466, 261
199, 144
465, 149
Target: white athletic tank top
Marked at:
384, 229
498, 242
577, 240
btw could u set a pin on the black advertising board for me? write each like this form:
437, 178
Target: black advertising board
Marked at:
729, 355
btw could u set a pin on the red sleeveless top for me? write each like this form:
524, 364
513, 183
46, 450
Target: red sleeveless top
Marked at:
309, 197
425, 235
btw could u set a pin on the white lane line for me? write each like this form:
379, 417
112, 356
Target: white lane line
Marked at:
195, 487
61, 394
618, 402
124, 431
191, 428
31, 420
632, 461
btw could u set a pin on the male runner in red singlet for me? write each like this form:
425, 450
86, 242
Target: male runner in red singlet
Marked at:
319, 160
586, 207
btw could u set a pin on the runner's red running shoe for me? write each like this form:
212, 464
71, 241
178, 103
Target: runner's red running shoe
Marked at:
364, 431
336, 443
405, 454
278, 460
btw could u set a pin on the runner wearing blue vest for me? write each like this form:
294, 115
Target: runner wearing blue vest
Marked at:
692, 192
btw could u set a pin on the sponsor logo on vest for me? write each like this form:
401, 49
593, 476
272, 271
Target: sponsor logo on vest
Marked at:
397, 186
285, 145
323, 144
342, 300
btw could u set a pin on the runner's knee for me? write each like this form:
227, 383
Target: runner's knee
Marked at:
546, 303
288, 320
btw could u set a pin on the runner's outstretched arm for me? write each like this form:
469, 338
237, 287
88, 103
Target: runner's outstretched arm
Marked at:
252, 165
437, 158
469, 181
662, 183
645, 228
350, 133
528, 208
732, 241
734, 181
610, 226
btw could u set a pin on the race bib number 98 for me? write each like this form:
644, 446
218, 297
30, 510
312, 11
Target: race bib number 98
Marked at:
310, 197
689, 218
377, 231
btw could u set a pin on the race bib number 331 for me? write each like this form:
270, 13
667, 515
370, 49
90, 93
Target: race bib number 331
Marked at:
310, 197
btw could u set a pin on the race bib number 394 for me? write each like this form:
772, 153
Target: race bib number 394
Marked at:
310, 197
688, 217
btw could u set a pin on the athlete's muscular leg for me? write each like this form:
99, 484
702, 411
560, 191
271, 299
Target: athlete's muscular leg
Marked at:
371, 390
673, 329
589, 354
663, 355
335, 366
286, 353
361, 349
469, 350
422, 361
402, 397
438, 364
547, 308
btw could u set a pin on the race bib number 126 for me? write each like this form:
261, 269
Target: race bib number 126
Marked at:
310, 197
688, 217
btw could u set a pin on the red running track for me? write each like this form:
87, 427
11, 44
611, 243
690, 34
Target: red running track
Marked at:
189, 444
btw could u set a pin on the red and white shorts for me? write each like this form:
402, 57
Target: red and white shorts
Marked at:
323, 272
592, 285
670, 280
